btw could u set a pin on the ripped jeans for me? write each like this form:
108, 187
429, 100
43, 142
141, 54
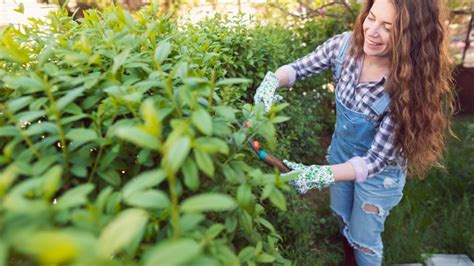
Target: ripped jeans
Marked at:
363, 208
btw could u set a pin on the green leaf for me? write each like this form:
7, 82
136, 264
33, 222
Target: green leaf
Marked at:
208, 202
244, 196
81, 134
3, 254
145, 180
204, 162
162, 52
246, 222
110, 156
189, 221
151, 117
280, 119
267, 130
226, 255
44, 163
7, 176
232, 81
9, 131
17, 104
181, 69
38, 103
265, 258
279, 107
113, 203
20, 9
167, 251
230, 223
79, 170
74, 197
40, 128
51, 247
247, 254
203, 260
265, 223
138, 137
28, 84
190, 172
29, 116
277, 199
119, 60
52, 181
239, 138
212, 145
121, 231
227, 112
214, 231
69, 119
102, 199
221, 128
148, 199
202, 121
69, 98
111, 176
267, 190
177, 153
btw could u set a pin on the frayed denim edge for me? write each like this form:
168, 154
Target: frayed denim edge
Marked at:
345, 232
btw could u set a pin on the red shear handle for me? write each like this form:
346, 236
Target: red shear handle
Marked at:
269, 159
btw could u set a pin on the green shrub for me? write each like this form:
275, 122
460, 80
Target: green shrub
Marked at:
117, 148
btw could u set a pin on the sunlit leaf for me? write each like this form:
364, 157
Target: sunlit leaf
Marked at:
208, 202
202, 120
121, 231
162, 52
81, 134
168, 250
143, 181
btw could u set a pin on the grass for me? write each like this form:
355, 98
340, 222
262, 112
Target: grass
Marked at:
436, 214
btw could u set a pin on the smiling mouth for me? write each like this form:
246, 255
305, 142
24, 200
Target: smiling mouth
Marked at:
373, 43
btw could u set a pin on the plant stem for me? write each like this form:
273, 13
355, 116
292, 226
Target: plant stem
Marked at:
62, 137
174, 204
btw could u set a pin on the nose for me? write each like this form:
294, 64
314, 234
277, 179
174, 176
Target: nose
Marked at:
373, 31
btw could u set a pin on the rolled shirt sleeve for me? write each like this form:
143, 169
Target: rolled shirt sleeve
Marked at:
381, 152
320, 59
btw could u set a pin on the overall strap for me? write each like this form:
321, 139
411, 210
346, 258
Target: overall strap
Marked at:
342, 53
381, 104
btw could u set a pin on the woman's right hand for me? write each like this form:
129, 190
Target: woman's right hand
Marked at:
266, 91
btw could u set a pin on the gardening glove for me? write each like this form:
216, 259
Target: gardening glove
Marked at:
312, 176
266, 91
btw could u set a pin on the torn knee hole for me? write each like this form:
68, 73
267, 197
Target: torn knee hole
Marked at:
369, 208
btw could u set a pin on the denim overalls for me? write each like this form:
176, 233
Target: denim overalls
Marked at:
353, 136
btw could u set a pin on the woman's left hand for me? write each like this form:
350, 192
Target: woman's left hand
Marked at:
309, 177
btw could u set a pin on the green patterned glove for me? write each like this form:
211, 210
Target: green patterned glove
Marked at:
266, 91
313, 176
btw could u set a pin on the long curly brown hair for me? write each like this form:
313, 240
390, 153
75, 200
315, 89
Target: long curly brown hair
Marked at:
419, 80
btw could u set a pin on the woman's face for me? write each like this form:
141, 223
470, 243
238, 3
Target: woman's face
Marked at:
377, 26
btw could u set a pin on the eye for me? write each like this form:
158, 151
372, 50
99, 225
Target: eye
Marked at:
370, 18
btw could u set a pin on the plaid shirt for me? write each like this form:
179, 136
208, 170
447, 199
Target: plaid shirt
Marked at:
357, 97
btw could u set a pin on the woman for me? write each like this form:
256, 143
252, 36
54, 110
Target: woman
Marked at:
393, 107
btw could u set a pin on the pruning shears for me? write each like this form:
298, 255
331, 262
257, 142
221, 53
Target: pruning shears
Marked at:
264, 156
